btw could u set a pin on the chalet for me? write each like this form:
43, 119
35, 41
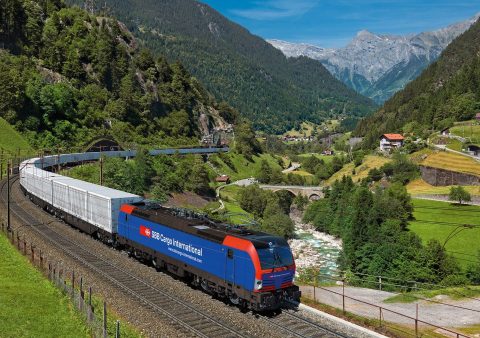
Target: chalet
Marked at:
223, 179
477, 117
445, 132
389, 142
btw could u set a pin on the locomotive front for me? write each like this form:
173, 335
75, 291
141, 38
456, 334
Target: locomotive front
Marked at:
277, 265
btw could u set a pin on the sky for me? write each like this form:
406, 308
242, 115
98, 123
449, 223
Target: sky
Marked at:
333, 23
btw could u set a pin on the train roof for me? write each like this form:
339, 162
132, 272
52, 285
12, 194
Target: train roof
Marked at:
192, 223
81, 185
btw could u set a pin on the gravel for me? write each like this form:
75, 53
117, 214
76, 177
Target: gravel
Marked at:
150, 323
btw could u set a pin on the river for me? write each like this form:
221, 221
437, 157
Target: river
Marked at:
314, 249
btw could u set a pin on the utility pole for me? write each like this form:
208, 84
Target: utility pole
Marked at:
101, 170
1, 164
8, 197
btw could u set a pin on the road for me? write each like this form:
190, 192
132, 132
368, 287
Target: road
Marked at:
294, 166
437, 314
444, 198
444, 148
241, 183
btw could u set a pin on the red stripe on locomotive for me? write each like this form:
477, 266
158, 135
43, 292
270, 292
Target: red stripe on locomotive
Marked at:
247, 246
128, 209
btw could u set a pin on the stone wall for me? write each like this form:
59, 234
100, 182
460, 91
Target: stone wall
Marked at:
442, 177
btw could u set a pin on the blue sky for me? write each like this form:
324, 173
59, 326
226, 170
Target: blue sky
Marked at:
333, 23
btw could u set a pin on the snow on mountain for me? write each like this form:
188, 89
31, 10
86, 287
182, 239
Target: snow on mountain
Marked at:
379, 65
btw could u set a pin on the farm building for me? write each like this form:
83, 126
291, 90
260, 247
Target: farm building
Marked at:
223, 179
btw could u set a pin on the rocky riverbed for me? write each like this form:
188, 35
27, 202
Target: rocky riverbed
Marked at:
314, 249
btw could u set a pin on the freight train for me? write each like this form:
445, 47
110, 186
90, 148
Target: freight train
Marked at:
252, 269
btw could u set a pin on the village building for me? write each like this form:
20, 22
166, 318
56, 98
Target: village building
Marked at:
445, 132
477, 117
223, 179
389, 142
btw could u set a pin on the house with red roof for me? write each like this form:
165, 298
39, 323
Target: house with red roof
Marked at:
389, 142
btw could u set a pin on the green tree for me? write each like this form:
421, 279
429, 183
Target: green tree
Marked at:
245, 141
278, 224
252, 199
459, 194
265, 174
199, 180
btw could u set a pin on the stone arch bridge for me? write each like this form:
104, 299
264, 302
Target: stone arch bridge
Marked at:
312, 192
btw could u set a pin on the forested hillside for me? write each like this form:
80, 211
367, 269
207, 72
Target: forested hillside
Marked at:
276, 93
67, 76
447, 91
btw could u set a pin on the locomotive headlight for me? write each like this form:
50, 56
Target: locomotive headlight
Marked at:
258, 284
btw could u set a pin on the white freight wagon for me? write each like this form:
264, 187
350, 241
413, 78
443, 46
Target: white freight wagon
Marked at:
91, 203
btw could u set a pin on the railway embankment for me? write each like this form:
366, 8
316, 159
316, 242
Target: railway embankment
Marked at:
136, 312
30, 304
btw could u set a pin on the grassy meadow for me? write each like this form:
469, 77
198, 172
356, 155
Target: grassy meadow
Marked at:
239, 167
451, 161
229, 196
420, 187
30, 305
437, 220
468, 130
360, 172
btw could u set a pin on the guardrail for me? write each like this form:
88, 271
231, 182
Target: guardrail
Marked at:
385, 318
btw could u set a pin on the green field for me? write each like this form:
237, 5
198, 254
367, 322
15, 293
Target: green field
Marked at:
243, 168
12, 144
30, 306
229, 197
420, 187
445, 218
11, 141
326, 159
360, 172
469, 130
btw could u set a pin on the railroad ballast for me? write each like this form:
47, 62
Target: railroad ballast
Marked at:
252, 269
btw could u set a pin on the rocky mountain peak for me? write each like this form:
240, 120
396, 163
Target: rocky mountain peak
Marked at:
379, 65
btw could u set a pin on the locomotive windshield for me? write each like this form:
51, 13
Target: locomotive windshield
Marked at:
275, 257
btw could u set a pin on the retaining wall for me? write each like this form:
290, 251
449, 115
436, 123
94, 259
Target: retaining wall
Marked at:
442, 177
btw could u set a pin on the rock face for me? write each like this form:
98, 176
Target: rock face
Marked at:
380, 65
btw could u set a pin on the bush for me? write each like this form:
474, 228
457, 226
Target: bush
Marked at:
455, 280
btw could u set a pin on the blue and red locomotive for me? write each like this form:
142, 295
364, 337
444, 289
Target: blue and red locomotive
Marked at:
252, 269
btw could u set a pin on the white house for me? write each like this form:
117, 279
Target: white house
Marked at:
389, 142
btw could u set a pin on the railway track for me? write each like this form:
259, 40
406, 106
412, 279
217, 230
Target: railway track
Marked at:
184, 317
299, 326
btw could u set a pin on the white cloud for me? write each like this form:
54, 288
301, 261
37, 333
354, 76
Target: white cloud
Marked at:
272, 10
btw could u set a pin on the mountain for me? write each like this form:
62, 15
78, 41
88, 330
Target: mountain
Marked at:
67, 76
448, 90
275, 92
379, 65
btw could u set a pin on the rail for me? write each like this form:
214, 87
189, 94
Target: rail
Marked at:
186, 316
